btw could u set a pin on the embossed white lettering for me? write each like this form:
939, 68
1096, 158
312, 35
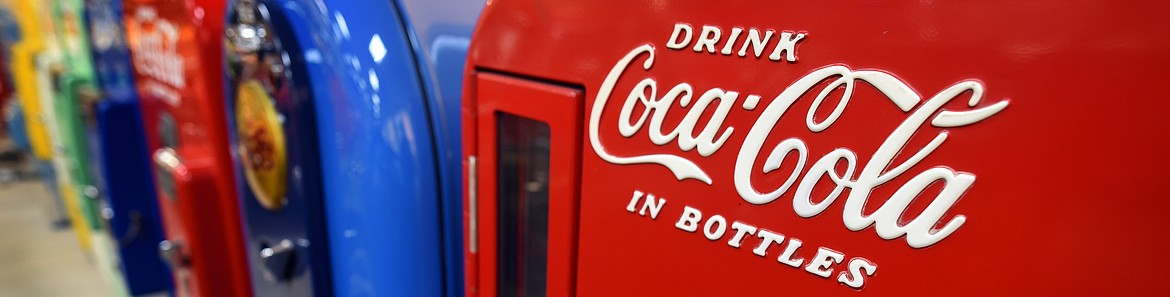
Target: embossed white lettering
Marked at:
755, 42
715, 226
768, 238
821, 264
878, 170
859, 269
741, 229
787, 44
707, 39
690, 219
789, 252
784, 48
679, 31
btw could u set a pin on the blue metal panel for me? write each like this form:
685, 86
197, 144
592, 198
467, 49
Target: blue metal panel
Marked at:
440, 32
304, 270
122, 158
379, 165
377, 152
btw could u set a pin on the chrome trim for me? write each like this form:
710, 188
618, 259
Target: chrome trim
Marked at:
472, 197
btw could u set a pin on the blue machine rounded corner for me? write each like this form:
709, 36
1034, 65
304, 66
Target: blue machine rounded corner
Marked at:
378, 156
122, 164
440, 33
382, 81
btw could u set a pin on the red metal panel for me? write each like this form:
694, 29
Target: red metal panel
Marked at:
1031, 134
560, 108
177, 51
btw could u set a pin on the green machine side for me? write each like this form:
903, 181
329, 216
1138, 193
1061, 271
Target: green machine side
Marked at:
76, 91
77, 96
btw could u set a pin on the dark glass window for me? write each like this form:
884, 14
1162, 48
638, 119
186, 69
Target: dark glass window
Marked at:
523, 209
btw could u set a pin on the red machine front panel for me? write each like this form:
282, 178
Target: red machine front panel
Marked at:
529, 142
749, 149
177, 53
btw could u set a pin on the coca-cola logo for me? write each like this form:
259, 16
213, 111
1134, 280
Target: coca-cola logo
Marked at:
863, 172
156, 53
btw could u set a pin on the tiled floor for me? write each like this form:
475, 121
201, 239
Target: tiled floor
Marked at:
35, 259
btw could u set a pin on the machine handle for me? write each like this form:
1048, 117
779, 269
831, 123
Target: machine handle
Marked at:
172, 253
132, 230
279, 262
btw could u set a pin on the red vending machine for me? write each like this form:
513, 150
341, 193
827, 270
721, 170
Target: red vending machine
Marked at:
651, 148
176, 47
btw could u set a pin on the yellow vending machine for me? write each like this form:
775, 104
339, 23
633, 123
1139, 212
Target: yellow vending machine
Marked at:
36, 61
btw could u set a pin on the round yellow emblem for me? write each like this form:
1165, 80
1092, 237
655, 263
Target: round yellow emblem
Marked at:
261, 145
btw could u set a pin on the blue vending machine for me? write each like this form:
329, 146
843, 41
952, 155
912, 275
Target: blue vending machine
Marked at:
346, 138
271, 120
122, 162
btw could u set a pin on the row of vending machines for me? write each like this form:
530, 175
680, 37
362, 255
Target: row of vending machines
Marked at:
380, 148
195, 143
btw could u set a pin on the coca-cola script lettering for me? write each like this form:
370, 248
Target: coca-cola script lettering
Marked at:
861, 178
156, 54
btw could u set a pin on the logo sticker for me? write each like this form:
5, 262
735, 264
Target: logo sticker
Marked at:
261, 145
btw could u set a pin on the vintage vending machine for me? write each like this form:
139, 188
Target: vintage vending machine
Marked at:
73, 86
345, 117
176, 49
26, 43
36, 65
76, 96
617, 148
273, 133
120, 159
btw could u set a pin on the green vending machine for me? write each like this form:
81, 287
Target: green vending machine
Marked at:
76, 95
74, 86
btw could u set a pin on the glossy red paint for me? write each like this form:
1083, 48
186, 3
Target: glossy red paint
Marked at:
560, 108
1065, 199
177, 51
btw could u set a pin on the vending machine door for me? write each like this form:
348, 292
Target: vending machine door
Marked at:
176, 47
817, 148
123, 168
273, 128
526, 183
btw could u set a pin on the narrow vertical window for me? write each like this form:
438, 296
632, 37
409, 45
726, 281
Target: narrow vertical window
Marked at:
523, 205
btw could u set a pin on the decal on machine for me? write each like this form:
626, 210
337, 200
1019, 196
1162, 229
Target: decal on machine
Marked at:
861, 174
104, 29
262, 150
157, 54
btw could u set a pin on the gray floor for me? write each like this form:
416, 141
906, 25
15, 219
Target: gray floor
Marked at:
35, 259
